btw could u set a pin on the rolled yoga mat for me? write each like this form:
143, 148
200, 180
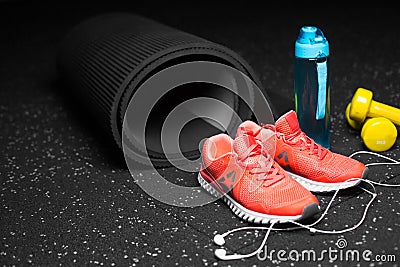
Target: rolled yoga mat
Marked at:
105, 59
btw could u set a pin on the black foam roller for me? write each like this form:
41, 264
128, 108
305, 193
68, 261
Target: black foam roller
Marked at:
104, 59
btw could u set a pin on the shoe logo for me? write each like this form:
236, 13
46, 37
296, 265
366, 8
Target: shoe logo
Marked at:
227, 182
285, 156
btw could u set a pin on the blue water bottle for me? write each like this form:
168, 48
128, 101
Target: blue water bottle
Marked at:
312, 85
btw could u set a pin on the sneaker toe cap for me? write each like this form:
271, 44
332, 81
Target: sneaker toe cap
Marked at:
296, 208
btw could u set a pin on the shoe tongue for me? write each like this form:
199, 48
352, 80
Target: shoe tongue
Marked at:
248, 127
241, 145
288, 123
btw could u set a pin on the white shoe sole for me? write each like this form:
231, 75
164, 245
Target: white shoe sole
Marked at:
314, 186
253, 216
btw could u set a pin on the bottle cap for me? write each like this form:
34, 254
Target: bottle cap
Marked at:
311, 43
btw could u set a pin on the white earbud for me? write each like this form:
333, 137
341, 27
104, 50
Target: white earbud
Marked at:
219, 240
221, 254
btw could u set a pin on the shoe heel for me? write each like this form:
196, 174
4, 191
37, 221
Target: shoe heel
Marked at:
208, 187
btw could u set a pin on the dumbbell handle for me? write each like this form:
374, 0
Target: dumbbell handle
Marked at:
378, 109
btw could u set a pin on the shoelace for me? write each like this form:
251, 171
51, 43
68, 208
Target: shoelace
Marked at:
305, 143
264, 169
268, 149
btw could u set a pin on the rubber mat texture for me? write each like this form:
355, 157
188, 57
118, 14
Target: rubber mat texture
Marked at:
66, 195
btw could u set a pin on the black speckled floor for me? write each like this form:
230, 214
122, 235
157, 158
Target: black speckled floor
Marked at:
67, 197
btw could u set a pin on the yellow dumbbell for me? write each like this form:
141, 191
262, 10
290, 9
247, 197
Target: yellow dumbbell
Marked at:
362, 106
378, 134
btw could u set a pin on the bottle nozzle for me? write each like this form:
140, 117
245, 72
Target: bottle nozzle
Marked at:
311, 43
308, 33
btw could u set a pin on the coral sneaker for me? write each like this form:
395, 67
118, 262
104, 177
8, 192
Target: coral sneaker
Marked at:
255, 187
315, 167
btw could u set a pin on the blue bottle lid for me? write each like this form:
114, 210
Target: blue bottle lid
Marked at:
311, 43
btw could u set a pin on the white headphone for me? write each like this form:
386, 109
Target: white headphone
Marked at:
219, 239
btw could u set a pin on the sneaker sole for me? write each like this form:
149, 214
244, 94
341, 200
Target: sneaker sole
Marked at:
314, 186
253, 216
